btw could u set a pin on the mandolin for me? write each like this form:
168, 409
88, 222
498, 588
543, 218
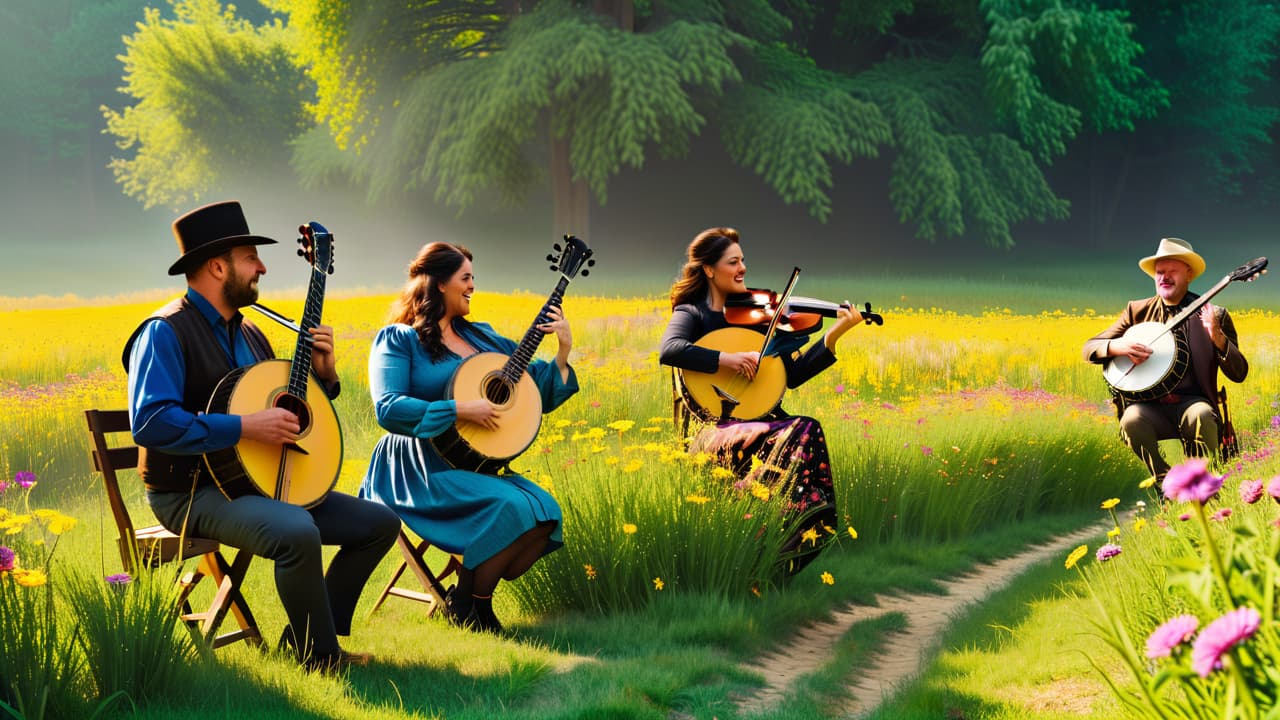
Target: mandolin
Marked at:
302, 472
1159, 374
505, 382
724, 394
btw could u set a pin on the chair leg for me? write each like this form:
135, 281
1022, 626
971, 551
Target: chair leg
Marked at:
412, 559
227, 597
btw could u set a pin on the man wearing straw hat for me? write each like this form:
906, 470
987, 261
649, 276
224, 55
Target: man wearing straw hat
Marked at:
175, 359
1188, 410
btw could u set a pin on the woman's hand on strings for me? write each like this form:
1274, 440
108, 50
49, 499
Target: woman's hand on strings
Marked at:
742, 363
480, 411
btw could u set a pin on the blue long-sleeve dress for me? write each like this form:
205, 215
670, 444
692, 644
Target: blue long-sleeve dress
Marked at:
462, 512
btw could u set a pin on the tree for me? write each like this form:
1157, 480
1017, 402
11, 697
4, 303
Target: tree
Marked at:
218, 100
456, 95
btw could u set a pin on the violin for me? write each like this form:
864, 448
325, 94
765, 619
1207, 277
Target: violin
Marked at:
757, 307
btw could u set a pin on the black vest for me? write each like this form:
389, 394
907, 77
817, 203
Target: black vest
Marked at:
205, 364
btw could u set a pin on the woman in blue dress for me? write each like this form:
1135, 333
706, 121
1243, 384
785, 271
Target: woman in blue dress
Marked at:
500, 525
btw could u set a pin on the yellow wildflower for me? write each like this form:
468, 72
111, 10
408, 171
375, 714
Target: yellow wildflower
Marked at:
658, 584
1147, 483
853, 534
698, 499
720, 472
629, 528
60, 523
561, 423
1075, 556
1113, 533
595, 433
1108, 504
591, 572
612, 460
29, 578
633, 466
622, 425
760, 491
828, 579
1139, 524
810, 535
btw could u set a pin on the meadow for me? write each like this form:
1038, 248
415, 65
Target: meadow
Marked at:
957, 435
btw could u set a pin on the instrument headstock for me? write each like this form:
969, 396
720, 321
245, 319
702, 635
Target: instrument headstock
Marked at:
1249, 271
571, 258
869, 317
316, 246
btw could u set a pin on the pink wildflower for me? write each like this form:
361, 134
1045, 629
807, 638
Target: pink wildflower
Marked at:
1191, 481
1273, 488
1250, 491
1222, 514
1108, 551
1166, 638
1220, 636
7, 559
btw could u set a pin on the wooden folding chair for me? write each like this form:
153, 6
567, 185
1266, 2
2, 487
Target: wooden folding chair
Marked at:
154, 545
414, 558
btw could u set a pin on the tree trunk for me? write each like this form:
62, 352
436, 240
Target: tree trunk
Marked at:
570, 198
622, 12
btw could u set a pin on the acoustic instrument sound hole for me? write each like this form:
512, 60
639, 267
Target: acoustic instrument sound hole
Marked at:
497, 390
297, 406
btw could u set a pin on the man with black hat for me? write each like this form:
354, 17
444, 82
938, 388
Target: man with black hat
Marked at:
175, 359
1210, 342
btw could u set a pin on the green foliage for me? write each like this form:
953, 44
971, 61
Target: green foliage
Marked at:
217, 99
468, 125
1216, 58
791, 119
1050, 66
1213, 558
129, 634
949, 177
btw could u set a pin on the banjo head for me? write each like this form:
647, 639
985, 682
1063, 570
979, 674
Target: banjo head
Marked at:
1126, 377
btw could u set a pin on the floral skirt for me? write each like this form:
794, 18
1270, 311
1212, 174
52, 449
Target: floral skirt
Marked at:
789, 456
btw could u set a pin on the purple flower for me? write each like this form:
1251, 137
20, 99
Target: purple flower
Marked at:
926, 450
1166, 638
1219, 637
1191, 481
119, 579
1108, 551
1184, 517
7, 559
24, 479
1275, 422
1250, 491
1273, 488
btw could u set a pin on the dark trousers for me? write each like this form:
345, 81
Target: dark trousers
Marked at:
1193, 420
319, 604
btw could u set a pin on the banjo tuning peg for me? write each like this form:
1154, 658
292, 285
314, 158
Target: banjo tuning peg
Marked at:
591, 263
551, 258
556, 247
586, 273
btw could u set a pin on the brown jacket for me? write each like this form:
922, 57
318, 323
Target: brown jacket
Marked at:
1205, 359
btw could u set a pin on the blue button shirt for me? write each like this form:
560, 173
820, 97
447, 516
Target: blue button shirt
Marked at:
157, 376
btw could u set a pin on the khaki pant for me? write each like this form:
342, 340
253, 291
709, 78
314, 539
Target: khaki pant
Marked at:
1144, 425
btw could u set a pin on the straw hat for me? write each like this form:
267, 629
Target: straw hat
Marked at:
1176, 249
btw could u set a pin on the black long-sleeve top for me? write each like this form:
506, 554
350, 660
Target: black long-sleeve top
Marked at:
690, 322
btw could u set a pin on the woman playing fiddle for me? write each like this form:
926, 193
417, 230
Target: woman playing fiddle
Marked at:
787, 447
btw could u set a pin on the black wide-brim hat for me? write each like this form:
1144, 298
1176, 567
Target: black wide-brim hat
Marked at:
210, 231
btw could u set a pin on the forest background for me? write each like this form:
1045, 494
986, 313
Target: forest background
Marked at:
1001, 139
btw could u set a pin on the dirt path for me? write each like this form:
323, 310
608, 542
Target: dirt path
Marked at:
903, 655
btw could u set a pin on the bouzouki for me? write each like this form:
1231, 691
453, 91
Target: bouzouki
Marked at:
725, 394
302, 472
1159, 374
504, 381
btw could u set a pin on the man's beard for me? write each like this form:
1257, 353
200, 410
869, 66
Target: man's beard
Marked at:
239, 293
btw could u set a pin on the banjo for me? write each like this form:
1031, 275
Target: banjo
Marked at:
1170, 358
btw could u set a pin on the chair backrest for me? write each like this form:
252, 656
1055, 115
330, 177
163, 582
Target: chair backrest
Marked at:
107, 460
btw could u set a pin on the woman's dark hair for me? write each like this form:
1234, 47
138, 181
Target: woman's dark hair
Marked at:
421, 304
706, 249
